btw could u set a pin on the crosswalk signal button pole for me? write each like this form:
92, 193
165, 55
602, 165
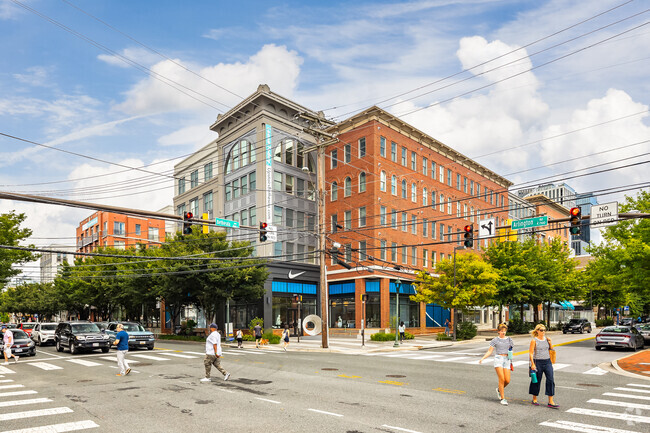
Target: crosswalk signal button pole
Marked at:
574, 220
469, 235
263, 227
187, 225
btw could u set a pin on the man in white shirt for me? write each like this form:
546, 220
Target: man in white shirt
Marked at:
213, 354
8, 341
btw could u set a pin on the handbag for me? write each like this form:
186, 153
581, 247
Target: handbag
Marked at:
551, 352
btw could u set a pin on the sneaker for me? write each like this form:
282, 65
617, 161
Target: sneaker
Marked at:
16, 359
504, 402
128, 370
498, 394
285, 349
534, 403
5, 363
226, 376
553, 406
118, 374
206, 379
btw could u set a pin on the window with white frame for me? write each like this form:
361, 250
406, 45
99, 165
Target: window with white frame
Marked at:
335, 191
414, 193
362, 182
425, 197
362, 216
334, 161
425, 227
403, 188
348, 187
382, 181
347, 215
414, 225
425, 165
362, 147
414, 166
347, 151
393, 185
382, 146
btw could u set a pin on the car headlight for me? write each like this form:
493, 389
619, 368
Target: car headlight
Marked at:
105, 337
80, 337
626, 339
30, 344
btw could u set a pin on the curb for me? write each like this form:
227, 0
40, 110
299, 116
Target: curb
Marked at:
622, 372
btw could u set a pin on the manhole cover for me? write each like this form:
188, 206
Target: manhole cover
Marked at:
589, 384
84, 380
395, 375
329, 369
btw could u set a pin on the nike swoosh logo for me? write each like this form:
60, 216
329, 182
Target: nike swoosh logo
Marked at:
292, 275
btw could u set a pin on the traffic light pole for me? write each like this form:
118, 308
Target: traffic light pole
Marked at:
455, 312
324, 298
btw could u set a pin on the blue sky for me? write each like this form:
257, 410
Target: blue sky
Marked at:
59, 87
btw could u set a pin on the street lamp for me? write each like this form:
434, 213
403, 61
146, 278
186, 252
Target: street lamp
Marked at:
398, 284
462, 247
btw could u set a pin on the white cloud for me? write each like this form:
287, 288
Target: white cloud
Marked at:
35, 76
8, 10
195, 135
273, 65
138, 55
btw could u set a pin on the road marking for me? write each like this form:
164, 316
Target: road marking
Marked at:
583, 428
518, 363
34, 413
5, 370
398, 355
6, 380
559, 366
420, 357
11, 386
57, 428
270, 401
597, 371
114, 359
400, 429
325, 413
633, 390
20, 402
636, 397
391, 382
620, 403
15, 393
234, 353
178, 355
453, 359
195, 353
84, 362
638, 384
612, 415
46, 366
450, 391
155, 358
570, 387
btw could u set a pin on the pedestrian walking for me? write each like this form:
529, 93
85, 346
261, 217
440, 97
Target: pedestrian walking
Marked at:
401, 329
285, 337
122, 343
447, 323
541, 365
240, 338
213, 354
8, 341
502, 346
257, 330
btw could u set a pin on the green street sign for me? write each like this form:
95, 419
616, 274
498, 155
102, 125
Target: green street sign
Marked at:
220, 222
529, 223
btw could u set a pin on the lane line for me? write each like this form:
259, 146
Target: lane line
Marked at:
270, 401
57, 428
583, 428
400, 429
619, 403
636, 397
46, 366
597, 371
20, 402
611, 415
325, 413
34, 413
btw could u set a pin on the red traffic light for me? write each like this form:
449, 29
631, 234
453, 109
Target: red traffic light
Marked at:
575, 211
189, 215
263, 225
469, 228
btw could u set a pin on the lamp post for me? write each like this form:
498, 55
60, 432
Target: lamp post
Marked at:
398, 284
462, 247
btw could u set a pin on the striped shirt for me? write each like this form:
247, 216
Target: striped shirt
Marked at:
541, 349
502, 345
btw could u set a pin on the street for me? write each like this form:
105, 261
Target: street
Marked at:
295, 391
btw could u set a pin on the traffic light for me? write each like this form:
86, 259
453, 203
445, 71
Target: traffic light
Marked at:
187, 225
297, 298
263, 227
574, 220
469, 235
364, 297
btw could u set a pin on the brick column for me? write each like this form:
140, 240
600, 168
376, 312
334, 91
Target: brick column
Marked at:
423, 316
384, 299
359, 289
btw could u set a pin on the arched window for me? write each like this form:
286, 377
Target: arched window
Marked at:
414, 193
425, 196
348, 187
382, 181
442, 203
335, 191
362, 182
404, 189
393, 185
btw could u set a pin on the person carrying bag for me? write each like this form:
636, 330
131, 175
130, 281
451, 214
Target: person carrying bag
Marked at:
540, 365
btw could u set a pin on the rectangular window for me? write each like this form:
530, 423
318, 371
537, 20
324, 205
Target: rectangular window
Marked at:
393, 218
362, 216
252, 214
362, 250
425, 165
471, 187
362, 147
405, 254
289, 218
181, 185
335, 158
207, 202
404, 221
425, 259
235, 189
277, 181
414, 225
244, 185
311, 222
425, 227
138, 229
449, 177
335, 221
194, 207
393, 252
288, 184
442, 174
348, 253
119, 245
118, 228
413, 161
382, 251
442, 232
382, 146
393, 151
252, 183
194, 179
458, 181
464, 184
277, 215
478, 189
289, 247
347, 219
300, 187
348, 153
404, 156
414, 256
244, 217
382, 215
300, 220
433, 229
433, 170
207, 171
277, 247
153, 233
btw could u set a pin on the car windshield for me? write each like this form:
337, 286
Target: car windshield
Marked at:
617, 330
645, 327
48, 327
19, 335
29, 325
575, 321
85, 327
133, 327
101, 325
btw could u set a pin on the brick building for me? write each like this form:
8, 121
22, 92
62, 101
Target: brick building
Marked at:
397, 201
108, 229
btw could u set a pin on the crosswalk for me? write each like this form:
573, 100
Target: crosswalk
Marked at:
12, 405
625, 411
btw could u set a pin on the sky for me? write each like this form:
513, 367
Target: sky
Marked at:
534, 90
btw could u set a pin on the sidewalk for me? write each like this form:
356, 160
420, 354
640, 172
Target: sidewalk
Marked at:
637, 364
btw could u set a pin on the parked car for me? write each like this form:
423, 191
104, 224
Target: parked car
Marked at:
619, 336
23, 345
43, 333
626, 322
80, 335
138, 336
28, 327
577, 325
102, 325
644, 330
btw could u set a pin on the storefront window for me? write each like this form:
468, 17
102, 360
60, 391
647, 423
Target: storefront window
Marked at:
342, 311
409, 311
242, 314
373, 311
285, 311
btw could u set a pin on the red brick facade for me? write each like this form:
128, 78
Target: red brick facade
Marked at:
100, 230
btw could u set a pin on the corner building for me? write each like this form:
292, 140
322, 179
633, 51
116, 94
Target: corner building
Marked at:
397, 201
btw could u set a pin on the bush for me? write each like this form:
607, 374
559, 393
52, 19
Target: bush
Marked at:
607, 321
248, 337
442, 336
466, 331
382, 336
180, 337
517, 326
273, 339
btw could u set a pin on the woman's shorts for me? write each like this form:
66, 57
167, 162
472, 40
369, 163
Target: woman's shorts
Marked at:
501, 361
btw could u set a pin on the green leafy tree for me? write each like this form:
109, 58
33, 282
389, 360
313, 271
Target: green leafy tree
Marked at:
11, 234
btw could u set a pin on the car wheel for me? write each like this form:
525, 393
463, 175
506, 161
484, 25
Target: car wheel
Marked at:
105, 349
589, 331
149, 347
582, 330
564, 332
58, 346
599, 347
73, 349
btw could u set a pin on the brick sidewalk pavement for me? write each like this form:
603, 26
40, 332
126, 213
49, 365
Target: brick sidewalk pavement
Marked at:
638, 363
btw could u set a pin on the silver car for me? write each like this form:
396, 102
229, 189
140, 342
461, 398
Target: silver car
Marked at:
43, 333
645, 331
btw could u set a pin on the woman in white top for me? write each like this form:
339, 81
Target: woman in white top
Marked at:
540, 363
502, 363
285, 337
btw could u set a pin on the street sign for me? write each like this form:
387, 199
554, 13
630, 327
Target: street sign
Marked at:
530, 222
486, 228
603, 215
272, 233
220, 222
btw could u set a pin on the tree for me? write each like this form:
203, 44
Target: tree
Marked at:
10, 235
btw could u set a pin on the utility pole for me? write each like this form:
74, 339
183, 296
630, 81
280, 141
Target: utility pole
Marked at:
455, 317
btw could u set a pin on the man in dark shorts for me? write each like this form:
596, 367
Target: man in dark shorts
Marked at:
257, 329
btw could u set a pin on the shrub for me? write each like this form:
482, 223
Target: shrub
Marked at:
248, 337
607, 321
382, 336
180, 337
466, 331
273, 339
442, 336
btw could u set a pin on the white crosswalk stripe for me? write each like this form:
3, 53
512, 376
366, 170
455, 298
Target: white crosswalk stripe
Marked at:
21, 402
177, 355
632, 390
635, 397
597, 371
6, 380
45, 366
11, 386
17, 393
583, 428
5, 370
57, 428
611, 415
638, 385
34, 413
114, 359
153, 358
84, 362
619, 403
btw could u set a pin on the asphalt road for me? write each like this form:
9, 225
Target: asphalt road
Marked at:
271, 391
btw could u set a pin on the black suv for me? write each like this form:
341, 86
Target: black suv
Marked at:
577, 325
80, 335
